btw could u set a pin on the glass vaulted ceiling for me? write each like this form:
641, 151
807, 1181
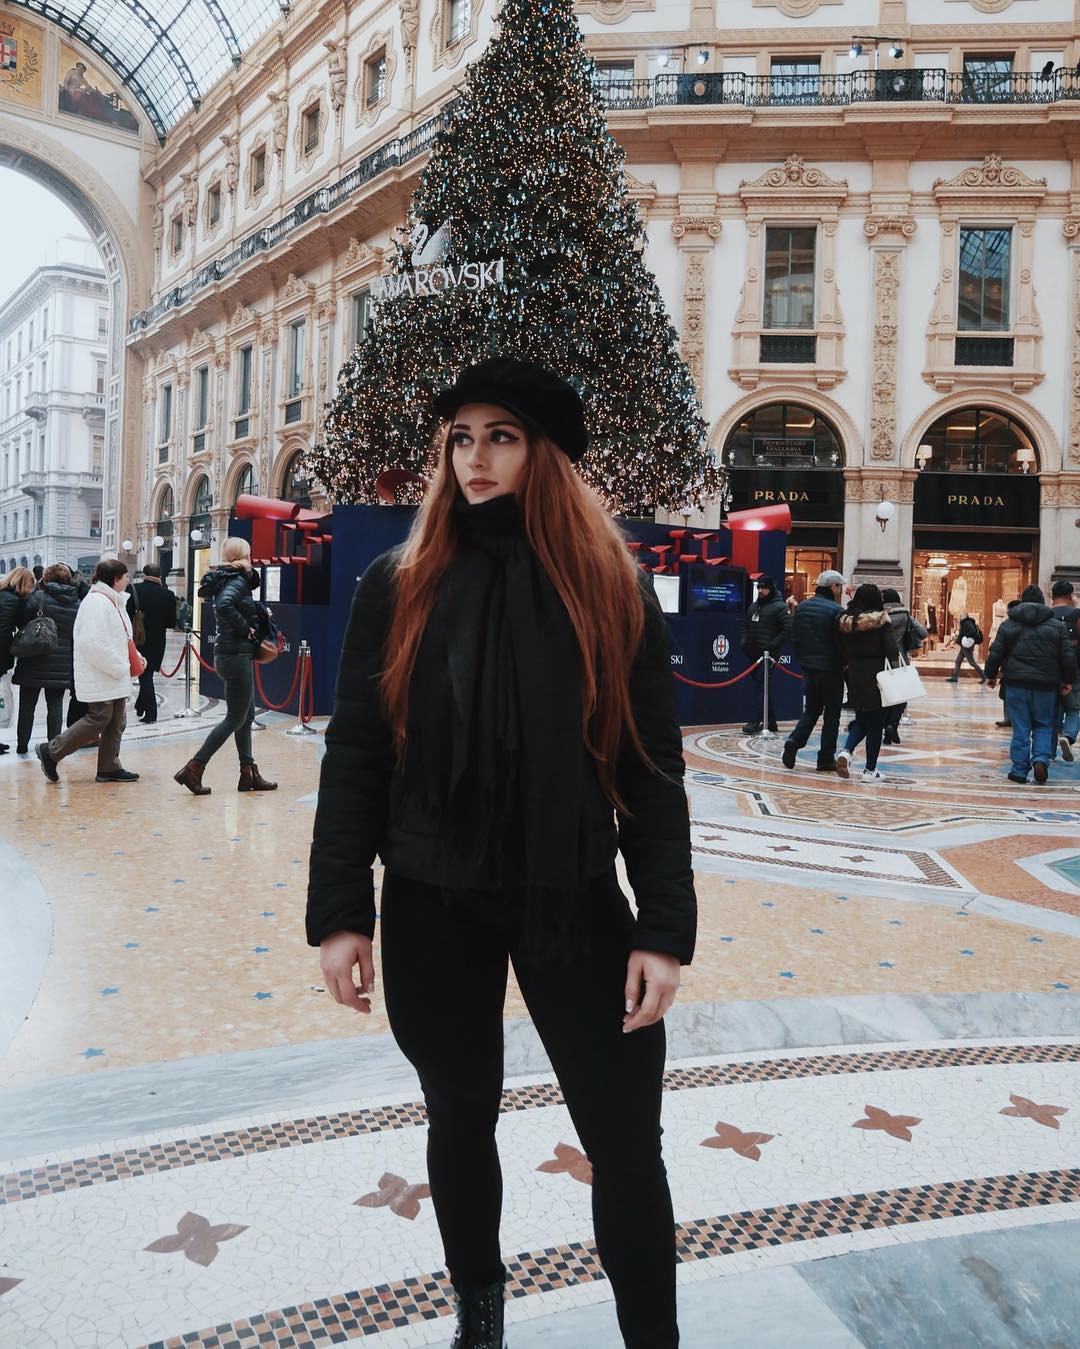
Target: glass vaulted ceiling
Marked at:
167, 52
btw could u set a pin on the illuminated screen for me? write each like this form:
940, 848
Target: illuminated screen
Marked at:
715, 590
667, 592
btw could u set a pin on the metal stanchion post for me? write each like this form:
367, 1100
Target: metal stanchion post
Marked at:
766, 712
188, 711
305, 666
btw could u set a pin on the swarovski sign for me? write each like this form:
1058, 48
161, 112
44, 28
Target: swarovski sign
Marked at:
430, 275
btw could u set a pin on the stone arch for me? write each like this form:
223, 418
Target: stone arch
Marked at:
851, 442
288, 452
1047, 443
158, 498
29, 149
232, 478
191, 489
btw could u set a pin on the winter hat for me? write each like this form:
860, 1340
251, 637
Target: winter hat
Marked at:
828, 579
539, 397
1033, 595
765, 583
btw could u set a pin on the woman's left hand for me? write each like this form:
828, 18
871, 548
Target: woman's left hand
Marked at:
652, 980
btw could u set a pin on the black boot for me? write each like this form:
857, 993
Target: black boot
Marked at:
480, 1319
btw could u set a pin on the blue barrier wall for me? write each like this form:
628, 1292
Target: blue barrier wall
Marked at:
704, 647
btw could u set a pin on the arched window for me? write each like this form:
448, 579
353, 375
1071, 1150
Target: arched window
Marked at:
783, 435
204, 498
23, 562
977, 440
3, 567
37, 560
296, 485
167, 509
245, 484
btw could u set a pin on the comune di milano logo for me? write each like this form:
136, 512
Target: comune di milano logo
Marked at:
721, 649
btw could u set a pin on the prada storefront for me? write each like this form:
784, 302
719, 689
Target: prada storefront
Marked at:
976, 523
787, 454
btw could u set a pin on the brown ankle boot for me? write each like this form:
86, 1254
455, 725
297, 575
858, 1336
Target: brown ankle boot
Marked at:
252, 781
190, 776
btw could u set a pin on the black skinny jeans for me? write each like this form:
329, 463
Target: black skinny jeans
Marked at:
237, 673
444, 972
823, 696
54, 712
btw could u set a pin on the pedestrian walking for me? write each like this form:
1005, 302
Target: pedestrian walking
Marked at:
76, 709
1036, 656
765, 628
910, 635
868, 643
1067, 720
158, 605
967, 637
505, 686
815, 638
1004, 723
105, 662
240, 622
52, 672
16, 588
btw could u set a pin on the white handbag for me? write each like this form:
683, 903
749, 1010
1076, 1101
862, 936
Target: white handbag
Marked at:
899, 684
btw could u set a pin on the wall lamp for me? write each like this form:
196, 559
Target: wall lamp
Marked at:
896, 45
885, 512
923, 455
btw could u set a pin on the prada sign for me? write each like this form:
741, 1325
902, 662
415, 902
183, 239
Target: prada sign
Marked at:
814, 495
977, 500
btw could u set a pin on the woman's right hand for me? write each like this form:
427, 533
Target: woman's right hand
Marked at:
338, 954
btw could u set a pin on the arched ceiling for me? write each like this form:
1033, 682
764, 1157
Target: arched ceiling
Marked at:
168, 53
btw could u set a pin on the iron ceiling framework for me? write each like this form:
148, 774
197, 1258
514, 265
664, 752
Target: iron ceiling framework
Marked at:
169, 53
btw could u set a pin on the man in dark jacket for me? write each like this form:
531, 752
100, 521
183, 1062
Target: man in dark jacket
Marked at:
968, 637
1067, 722
1033, 652
765, 628
817, 649
158, 607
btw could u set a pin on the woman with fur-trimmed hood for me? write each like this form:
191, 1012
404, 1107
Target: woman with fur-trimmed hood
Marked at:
867, 641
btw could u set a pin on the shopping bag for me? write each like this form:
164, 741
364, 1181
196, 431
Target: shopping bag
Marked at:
899, 684
7, 701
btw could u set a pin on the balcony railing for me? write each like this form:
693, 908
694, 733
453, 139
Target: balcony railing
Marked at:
788, 349
983, 351
689, 90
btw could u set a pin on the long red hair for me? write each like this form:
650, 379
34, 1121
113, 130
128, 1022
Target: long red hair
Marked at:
585, 555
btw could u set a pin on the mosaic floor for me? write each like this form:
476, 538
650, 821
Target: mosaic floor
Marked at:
873, 1080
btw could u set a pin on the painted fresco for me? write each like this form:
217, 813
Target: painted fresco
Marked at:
22, 47
85, 92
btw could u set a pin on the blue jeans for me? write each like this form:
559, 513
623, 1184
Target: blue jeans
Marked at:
1032, 713
869, 725
1067, 722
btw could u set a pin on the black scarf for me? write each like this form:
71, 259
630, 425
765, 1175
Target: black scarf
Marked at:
507, 775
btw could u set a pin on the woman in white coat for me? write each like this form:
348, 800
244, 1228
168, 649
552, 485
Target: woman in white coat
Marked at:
104, 668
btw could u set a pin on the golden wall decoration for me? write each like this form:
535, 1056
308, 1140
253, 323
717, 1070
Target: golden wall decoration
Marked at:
87, 93
22, 55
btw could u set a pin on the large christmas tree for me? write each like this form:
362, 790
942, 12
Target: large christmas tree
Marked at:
526, 171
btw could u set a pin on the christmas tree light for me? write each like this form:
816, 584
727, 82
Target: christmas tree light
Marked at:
525, 170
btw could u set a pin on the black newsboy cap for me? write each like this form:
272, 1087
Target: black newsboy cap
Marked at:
539, 397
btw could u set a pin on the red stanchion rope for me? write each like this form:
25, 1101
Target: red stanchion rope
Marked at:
694, 683
168, 674
278, 707
198, 656
791, 674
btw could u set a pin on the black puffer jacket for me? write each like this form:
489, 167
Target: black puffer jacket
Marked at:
868, 642
765, 628
1032, 650
365, 808
237, 615
14, 612
814, 633
1070, 616
56, 669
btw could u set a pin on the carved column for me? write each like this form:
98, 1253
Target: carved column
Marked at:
888, 236
695, 235
1071, 229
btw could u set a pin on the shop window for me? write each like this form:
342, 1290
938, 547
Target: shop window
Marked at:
296, 485
983, 302
789, 295
245, 484
783, 435
977, 440
375, 79
204, 498
615, 81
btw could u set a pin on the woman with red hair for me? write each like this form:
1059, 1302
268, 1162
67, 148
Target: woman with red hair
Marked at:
504, 722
